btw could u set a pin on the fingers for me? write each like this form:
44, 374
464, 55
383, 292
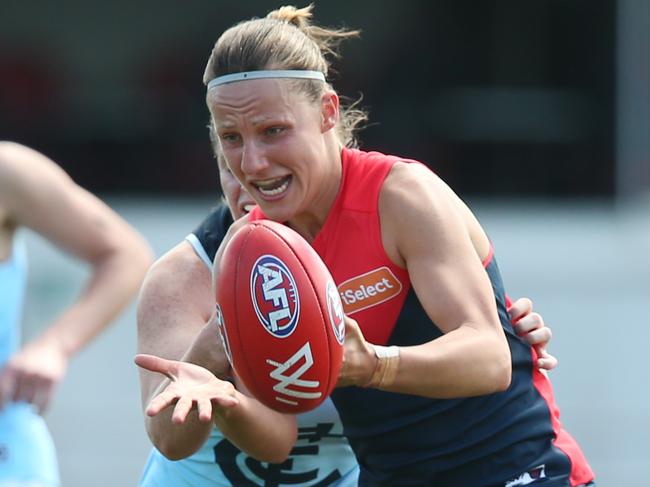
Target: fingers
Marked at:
539, 336
528, 323
530, 326
351, 324
29, 388
146, 361
160, 402
545, 360
359, 360
182, 409
227, 398
204, 407
226, 401
43, 397
521, 307
25, 389
154, 364
184, 404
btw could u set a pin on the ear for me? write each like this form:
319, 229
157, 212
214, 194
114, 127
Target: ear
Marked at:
329, 110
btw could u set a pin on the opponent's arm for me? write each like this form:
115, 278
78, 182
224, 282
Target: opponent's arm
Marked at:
261, 432
38, 194
173, 316
173, 322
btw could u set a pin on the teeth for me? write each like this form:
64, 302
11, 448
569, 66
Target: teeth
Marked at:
268, 183
249, 208
267, 187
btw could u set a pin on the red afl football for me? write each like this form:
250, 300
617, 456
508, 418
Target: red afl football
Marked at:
280, 317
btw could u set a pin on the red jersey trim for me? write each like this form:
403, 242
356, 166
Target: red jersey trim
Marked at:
489, 257
581, 472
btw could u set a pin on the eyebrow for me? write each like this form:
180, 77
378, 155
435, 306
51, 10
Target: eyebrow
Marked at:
224, 125
255, 121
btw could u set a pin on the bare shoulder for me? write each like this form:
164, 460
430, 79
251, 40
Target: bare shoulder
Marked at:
414, 188
175, 296
174, 303
177, 272
415, 207
412, 191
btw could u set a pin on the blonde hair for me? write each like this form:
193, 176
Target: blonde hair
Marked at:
286, 39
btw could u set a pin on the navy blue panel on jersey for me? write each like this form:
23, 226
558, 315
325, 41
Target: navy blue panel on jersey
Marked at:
490, 436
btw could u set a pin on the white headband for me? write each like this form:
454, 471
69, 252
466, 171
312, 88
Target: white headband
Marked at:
273, 73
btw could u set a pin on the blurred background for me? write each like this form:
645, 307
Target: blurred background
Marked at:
537, 113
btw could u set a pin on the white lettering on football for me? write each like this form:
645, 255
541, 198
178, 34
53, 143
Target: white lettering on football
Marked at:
273, 292
287, 383
274, 296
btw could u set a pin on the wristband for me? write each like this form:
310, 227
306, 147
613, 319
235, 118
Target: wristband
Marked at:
386, 367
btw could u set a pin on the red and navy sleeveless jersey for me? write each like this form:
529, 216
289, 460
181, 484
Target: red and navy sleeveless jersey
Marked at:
402, 439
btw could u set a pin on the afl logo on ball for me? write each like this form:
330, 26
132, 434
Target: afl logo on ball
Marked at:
275, 296
335, 312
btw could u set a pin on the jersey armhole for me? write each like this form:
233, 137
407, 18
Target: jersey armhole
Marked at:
200, 251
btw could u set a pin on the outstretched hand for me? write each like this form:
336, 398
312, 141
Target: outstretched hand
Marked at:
190, 387
530, 326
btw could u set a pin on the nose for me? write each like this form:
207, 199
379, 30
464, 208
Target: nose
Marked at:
253, 159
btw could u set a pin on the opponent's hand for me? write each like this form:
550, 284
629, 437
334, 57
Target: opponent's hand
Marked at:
359, 358
530, 326
33, 374
191, 387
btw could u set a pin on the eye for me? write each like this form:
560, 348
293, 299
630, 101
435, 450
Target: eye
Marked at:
230, 138
273, 131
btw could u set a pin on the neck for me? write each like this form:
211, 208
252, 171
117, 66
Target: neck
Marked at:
310, 222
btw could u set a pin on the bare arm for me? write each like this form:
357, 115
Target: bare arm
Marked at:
425, 230
194, 391
174, 323
173, 312
38, 194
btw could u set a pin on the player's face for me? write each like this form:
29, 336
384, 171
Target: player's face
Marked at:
238, 200
273, 140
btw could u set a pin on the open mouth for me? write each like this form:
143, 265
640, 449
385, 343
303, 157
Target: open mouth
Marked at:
247, 208
273, 187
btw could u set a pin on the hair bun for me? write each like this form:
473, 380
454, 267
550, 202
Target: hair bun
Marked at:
299, 17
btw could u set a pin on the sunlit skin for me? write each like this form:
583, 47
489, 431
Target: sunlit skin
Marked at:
282, 148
